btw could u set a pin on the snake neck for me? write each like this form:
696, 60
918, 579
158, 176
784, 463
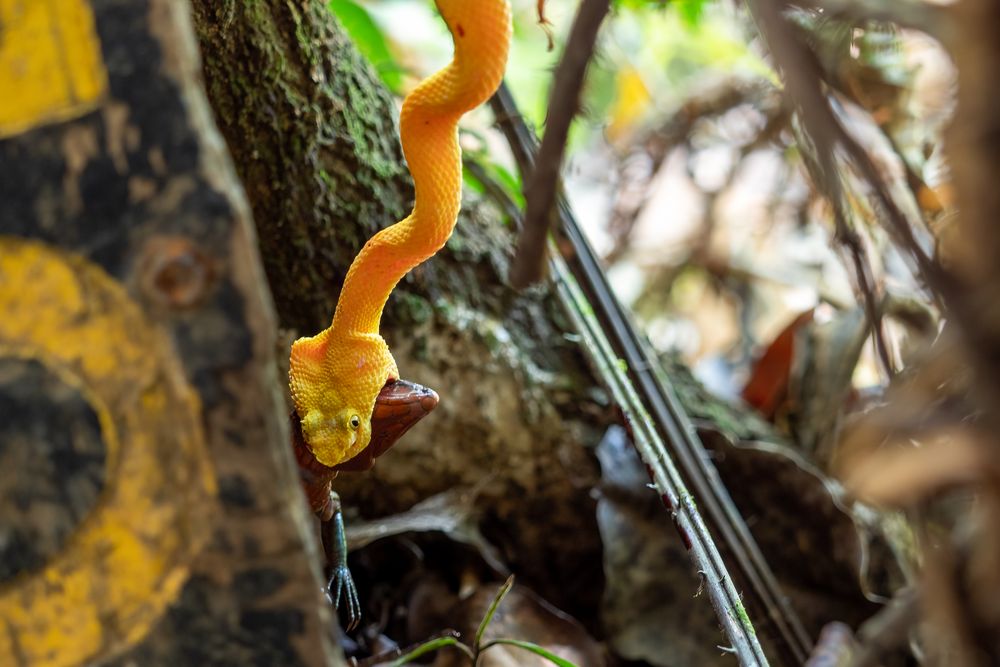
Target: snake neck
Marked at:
394, 251
429, 135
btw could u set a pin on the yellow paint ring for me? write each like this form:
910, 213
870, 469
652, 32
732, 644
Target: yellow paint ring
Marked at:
130, 556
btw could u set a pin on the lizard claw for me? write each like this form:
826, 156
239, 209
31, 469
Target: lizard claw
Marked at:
342, 584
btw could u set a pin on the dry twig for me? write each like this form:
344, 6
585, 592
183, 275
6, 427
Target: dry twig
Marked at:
540, 190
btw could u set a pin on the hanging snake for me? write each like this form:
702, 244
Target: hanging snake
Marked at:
344, 374
337, 374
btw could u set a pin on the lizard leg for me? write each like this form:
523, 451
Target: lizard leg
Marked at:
339, 580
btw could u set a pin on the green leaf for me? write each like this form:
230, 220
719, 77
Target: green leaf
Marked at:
534, 648
368, 37
429, 646
471, 182
510, 182
507, 585
690, 10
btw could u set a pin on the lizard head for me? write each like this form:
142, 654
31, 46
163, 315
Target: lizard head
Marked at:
336, 432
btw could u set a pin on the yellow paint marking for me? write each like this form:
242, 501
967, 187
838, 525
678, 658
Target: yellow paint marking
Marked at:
51, 67
130, 556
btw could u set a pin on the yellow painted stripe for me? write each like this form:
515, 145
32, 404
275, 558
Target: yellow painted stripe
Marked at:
51, 67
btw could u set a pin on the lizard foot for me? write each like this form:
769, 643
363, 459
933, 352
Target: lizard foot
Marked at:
341, 584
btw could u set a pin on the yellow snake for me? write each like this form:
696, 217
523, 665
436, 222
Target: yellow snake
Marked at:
337, 374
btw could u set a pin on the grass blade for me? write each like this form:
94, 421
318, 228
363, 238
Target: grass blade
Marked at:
429, 646
507, 585
534, 648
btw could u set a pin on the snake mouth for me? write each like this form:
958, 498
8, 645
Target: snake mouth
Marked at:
399, 405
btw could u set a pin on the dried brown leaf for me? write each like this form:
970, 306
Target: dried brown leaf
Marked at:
903, 473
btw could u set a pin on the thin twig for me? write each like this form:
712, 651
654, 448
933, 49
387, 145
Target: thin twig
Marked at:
828, 181
564, 102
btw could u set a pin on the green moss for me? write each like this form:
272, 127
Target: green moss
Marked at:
411, 308
304, 39
739, 614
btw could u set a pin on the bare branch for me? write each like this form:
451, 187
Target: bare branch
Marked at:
540, 191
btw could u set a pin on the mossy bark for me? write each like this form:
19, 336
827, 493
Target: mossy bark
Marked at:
313, 139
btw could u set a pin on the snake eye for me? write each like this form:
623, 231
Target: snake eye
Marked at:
355, 422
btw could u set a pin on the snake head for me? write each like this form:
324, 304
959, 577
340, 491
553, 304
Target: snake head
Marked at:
335, 383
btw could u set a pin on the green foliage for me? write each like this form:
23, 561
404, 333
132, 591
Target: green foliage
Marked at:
478, 647
470, 181
690, 10
369, 39
500, 175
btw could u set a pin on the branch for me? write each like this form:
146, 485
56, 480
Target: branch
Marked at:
540, 191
